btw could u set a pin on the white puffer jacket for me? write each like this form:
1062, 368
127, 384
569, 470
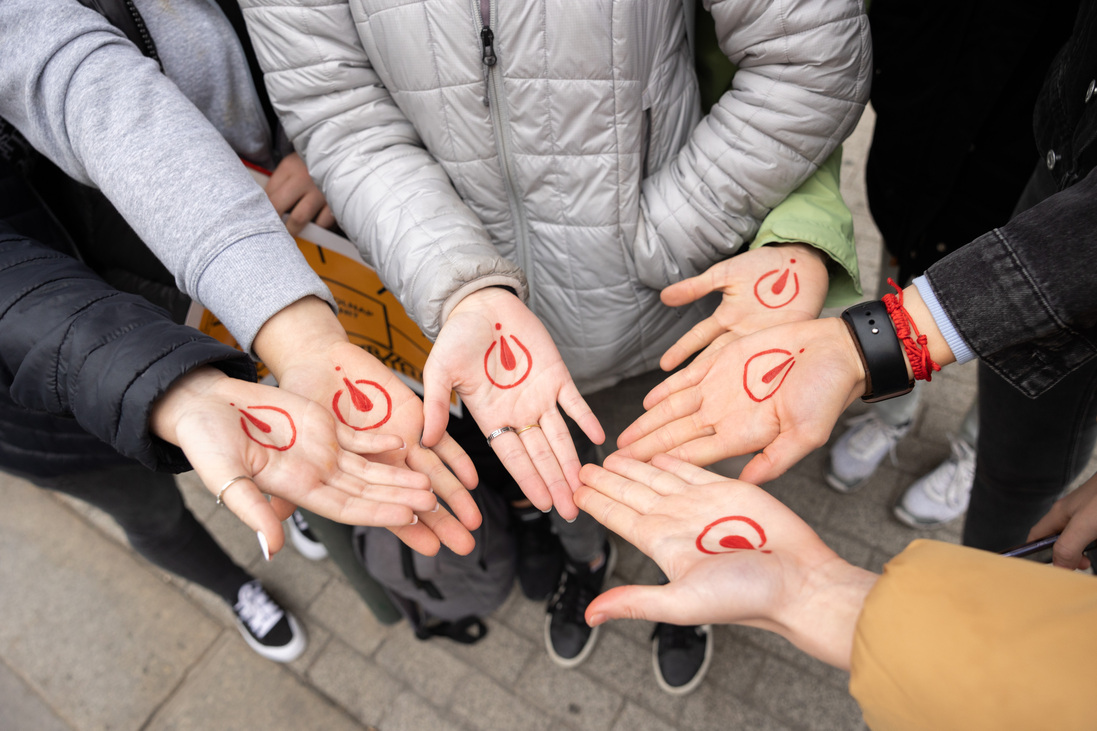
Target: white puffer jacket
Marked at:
573, 168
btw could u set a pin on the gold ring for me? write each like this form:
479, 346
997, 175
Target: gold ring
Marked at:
227, 485
498, 432
527, 428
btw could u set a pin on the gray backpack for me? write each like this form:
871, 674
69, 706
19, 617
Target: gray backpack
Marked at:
446, 595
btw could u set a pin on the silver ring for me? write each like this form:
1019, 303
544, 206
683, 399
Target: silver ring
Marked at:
227, 485
499, 431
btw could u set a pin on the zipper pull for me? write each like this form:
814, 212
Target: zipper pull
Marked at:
487, 38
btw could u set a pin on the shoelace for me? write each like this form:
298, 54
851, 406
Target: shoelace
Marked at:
572, 597
257, 610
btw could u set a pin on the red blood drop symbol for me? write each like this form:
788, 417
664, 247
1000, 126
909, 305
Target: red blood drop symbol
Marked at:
772, 299
507, 359
733, 542
782, 370
361, 403
266, 428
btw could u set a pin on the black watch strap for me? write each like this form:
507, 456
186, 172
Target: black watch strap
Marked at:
881, 352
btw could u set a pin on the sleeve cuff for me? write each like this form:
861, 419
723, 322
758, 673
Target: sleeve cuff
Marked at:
960, 349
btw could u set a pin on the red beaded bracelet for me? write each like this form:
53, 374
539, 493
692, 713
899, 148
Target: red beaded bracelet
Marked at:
916, 349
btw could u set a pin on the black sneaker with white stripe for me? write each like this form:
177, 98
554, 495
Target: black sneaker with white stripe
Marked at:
268, 628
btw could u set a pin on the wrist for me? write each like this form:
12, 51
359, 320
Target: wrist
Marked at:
168, 410
298, 332
823, 620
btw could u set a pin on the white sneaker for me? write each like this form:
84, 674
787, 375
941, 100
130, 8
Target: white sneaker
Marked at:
858, 452
943, 494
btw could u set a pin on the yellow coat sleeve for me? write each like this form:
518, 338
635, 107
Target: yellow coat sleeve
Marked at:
955, 638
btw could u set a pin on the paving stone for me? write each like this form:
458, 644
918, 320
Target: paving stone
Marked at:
243, 691
568, 695
411, 713
22, 708
624, 666
365, 689
342, 612
635, 718
99, 638
502, 654
806, 699
735, 663
486, 705
711, 709
424, 665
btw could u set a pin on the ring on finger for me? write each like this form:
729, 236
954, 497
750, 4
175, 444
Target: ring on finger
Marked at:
499, 432
527, 428
227, 485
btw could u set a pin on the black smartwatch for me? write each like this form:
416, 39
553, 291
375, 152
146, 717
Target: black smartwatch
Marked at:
881, 352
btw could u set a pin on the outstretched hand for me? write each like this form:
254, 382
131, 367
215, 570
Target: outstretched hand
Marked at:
732, 553
289, 448
502, 362
768, 286
780, 390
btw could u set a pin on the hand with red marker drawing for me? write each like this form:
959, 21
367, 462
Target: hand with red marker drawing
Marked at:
246, 441
308, 351
294, 195
502, 362
733, 554
779, 390
768, 286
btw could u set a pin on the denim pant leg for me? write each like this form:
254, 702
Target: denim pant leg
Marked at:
150, 509
1028, 450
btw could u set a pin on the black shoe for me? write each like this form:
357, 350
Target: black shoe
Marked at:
303, 539
568, 637
270, 630
540, 556
681, 656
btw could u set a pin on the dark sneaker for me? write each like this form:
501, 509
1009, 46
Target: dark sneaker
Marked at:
568, 637
270, 630
540, 555
681, 656
303, 539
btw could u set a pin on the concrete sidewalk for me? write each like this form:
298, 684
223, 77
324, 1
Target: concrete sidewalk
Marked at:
93, 637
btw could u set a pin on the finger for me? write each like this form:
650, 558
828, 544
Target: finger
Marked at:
660, 416
1054, 522
1077, 534
660, 481
446, 486
699, 336
635, 494
783, 452
450, 452
576, 407
349, 487
686, 291
379, 473
367, 442
550, 448
511, 452
335, 504
325, 219
615, 515
248, 504
685, 471
282, 508
418, 538
449, 531
306, 209
437, 388
684, 379
653, 603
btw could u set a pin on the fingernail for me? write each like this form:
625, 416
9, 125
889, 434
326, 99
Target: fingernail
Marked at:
435, 508
263, 545
572, 520
414, 520
596, 619
547, 510
403, 445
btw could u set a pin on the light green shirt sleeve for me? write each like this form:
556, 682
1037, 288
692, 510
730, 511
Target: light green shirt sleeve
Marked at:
816, 214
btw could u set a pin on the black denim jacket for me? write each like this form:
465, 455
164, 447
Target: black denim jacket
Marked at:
1024, 296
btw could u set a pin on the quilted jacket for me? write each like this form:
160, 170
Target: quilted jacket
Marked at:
555, 147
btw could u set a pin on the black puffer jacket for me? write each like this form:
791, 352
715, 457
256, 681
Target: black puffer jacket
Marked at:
73, 346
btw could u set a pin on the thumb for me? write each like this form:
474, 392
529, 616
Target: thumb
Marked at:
783, 452
654, 603
686, 291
